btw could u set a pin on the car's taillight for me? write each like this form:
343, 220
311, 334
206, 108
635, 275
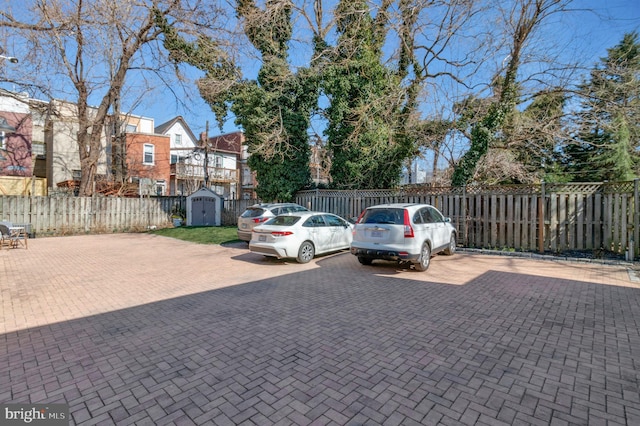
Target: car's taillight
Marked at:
281, 233
353, 228
408, 230
260, 219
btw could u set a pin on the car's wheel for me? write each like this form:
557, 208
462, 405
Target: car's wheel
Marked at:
452, 245
365, 260
306, 252
425, 258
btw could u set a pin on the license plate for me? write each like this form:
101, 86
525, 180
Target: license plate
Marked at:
376, 234
243, 226
262, 238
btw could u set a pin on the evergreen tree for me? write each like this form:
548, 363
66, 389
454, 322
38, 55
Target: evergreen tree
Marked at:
608, 136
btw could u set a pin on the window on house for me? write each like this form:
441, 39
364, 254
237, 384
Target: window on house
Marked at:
2, 141
177, 159
76, 174
178, 139
131, 128
148, 154
38, 149
161, 187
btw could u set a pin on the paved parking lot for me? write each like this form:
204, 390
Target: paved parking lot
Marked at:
141, 329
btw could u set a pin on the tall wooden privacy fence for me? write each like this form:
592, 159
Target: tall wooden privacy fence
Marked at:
60, 215
55, 215
234, 208
546, 217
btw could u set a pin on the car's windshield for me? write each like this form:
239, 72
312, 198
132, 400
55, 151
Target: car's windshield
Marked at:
283, 220
391, 216
252, 212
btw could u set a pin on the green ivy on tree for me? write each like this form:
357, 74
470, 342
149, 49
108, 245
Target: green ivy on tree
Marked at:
363, 133
274, 110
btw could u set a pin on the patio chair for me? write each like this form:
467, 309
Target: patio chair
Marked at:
6, 239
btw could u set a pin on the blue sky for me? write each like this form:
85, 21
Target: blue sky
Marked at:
588, 32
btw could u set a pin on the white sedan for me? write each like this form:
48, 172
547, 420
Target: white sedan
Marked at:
301, 235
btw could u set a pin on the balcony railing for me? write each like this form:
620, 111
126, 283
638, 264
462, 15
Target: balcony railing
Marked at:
195, 171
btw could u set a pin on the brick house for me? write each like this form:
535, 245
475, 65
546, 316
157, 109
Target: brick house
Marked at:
139, 156
15, 144
148, 162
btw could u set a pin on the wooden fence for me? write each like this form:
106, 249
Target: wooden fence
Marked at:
543, 218
61, 215
234, 208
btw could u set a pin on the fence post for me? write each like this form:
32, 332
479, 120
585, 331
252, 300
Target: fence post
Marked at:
541, 206
464, 215
315, 200
635, 244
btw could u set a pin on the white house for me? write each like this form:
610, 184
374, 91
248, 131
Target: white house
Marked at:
187, 168
189, 155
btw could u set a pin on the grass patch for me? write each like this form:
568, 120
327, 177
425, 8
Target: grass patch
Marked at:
201, 234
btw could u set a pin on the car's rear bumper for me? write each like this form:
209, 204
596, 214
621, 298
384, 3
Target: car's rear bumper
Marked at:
244, 235
268, 250
385, 254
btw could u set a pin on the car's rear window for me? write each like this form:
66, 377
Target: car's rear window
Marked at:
288, 209
252, 212
389, 216
283, 220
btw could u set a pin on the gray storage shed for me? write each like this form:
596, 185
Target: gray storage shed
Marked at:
204, 208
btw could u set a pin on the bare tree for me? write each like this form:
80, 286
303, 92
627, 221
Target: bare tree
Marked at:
520, 25
86, 51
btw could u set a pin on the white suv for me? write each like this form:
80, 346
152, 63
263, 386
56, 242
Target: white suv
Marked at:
406, 233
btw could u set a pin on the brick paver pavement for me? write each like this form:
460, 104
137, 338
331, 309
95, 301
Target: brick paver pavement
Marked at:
141, 329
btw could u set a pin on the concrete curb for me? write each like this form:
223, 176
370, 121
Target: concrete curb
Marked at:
538, 256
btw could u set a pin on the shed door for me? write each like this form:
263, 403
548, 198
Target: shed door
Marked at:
203, 211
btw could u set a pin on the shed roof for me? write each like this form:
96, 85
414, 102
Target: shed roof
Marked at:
205, 192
